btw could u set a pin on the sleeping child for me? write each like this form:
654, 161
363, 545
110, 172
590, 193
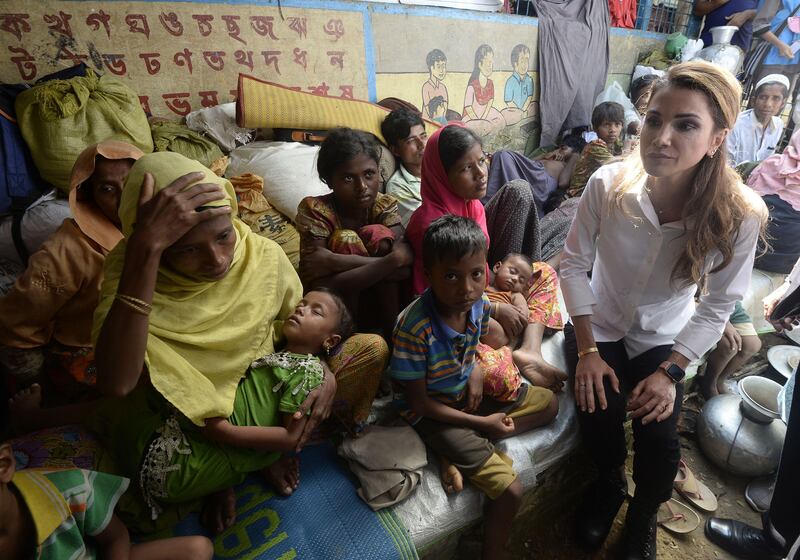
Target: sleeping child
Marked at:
511, 283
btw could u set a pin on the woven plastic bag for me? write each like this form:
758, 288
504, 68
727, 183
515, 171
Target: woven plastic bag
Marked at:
169, 136
263, 219
59, 118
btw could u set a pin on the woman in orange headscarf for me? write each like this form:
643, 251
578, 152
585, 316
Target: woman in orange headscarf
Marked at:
46, 318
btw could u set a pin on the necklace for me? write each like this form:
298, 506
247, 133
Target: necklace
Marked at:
310, 367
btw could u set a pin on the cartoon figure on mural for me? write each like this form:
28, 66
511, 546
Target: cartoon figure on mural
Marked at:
434, 87
437, 109
518, 93
479, 111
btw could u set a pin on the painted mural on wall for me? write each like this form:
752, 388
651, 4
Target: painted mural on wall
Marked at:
477, 72
180, 57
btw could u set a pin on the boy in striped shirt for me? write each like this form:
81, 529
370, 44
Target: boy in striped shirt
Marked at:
434, 360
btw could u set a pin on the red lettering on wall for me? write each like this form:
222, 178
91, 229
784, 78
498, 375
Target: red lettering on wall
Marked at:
322, 89
271, 57
25, 63
184, 58
334, 28
15, 24
263, 26
203, 23
298, 25
144, 101
245, 58
300, 57
233, 28
347, 92
178, 103
336, 58
151, 62
59, 22
208, 98
137, 23
115, 63
171, 23
94, 21
65, 54
215, 59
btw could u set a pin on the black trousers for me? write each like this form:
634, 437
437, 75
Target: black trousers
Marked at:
655, 445
784, 510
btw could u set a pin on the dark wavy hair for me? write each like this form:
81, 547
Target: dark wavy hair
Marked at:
342, 145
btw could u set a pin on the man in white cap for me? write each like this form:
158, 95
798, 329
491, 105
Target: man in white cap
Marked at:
758, 131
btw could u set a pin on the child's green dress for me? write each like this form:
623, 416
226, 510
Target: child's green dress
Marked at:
168, 456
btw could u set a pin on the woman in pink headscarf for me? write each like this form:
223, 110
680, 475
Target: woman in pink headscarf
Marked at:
454, 179
777, 180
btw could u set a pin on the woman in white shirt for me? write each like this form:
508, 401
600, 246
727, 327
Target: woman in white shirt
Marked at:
649, 230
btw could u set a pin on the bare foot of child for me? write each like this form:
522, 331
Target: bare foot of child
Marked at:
452, 480
284, 475
219, 511
25, 407
535, 369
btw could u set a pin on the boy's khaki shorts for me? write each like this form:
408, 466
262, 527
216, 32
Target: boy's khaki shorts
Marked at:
472, 452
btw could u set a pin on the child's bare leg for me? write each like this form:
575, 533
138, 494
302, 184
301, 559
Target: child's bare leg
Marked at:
27, 414
283, 475
527, 422
724, 361
496, 337
452, 480
500, 515
175, 548
219, 511
529, 360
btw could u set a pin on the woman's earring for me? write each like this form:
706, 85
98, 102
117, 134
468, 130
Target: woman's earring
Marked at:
327, 349
714, 153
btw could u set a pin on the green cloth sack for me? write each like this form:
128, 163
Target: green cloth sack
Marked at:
675, 44
170, 136
60, 118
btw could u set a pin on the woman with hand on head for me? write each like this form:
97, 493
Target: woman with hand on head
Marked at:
191, 298
671, 217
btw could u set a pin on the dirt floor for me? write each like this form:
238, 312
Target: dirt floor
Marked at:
558, 543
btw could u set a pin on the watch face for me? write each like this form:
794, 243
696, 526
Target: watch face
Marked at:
676, 373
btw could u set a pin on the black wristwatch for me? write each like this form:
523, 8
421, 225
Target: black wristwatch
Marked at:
673, 371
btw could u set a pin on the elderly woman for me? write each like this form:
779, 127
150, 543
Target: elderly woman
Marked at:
46, 318
191, 298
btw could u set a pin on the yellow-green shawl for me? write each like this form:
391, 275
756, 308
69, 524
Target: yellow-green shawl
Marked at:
203, 335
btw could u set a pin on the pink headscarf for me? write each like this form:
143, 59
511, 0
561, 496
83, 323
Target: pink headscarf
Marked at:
437, 200
780, 174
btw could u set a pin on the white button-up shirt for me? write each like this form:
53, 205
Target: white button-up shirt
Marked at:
631, 295
751, 141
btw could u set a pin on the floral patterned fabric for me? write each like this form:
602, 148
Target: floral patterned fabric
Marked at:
542, 297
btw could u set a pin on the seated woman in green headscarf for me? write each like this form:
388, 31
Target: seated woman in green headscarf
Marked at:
190, 299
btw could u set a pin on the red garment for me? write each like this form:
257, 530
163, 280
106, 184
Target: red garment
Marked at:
437, 200
483, 94
623, 13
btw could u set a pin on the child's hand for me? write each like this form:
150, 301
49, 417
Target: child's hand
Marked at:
498, 425
474, 390
402, 254
513, 320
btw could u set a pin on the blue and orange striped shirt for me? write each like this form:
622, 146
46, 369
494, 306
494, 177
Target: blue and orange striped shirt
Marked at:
426, 348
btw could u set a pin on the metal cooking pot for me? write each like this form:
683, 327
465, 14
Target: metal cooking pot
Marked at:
741, 434
723, 34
